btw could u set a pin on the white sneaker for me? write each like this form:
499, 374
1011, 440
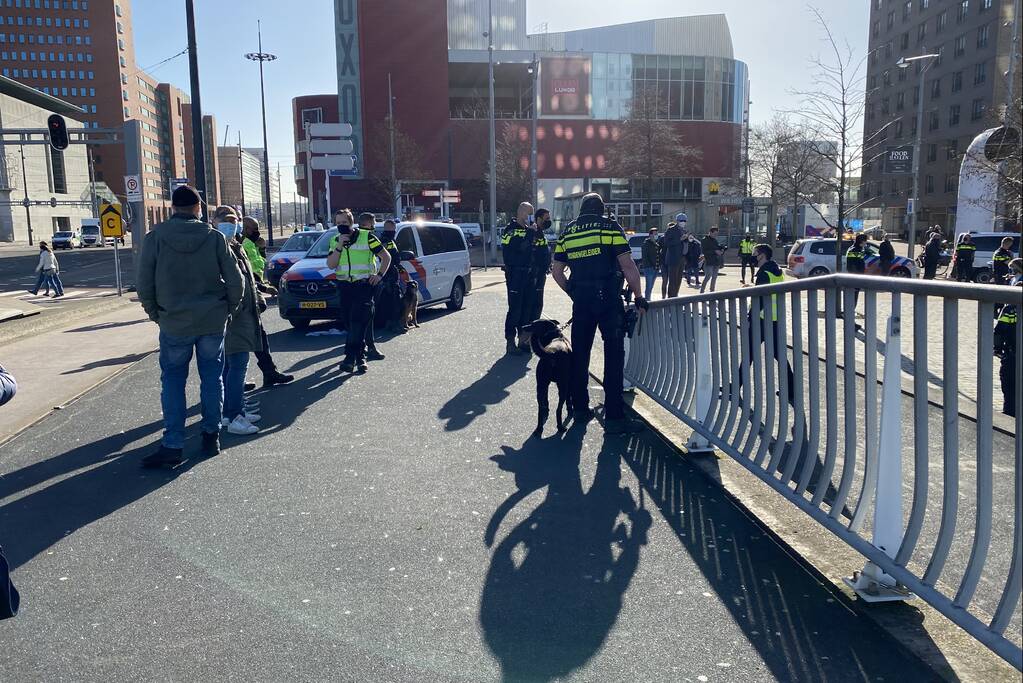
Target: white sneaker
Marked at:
242, 426
251, 416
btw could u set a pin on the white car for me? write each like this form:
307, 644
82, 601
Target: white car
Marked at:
987, 244
815, 256
436, 256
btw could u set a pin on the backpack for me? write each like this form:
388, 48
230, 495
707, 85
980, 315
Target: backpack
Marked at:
9, 597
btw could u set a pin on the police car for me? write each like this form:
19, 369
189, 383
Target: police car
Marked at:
434, 254
290, 253
816, 256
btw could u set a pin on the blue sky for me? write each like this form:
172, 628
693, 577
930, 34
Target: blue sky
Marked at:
776, 39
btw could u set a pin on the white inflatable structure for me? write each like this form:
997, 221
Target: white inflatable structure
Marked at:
977, 204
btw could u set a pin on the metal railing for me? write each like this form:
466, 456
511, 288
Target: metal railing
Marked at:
802, 404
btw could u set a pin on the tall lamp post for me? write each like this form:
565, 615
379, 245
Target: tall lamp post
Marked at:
493, 133
264, 57
534, 71
914, 201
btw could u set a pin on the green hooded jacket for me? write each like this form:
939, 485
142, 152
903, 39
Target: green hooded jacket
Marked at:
187, 281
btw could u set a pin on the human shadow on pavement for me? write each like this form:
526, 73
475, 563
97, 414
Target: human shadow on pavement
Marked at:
556, 581
106, 479
488, 390
801, 626
106, 362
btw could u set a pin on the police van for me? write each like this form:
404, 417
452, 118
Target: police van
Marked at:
434, 254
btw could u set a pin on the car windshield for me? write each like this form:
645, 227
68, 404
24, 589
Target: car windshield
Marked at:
90, 229
322, 245
300, 241
62, 235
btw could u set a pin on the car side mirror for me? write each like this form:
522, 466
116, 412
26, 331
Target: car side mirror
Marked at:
406, 255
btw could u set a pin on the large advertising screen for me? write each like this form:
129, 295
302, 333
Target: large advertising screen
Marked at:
565, 85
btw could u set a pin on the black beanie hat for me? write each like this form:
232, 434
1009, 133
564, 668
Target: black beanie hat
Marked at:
185, 196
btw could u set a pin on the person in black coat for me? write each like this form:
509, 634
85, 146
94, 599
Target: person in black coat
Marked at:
886, 253
9, 598
932, 256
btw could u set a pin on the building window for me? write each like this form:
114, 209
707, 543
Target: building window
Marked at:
952, 149
963, 12
887, 78
935, 88
960, 46
953, 115
885, 106
907, 10
891, 18
921, 33
875, 29
893, 187
900, 101
904, 41
985, 5
978, 109
934, 121
982, 36
957, 81
980, 73
951, 182
924, 4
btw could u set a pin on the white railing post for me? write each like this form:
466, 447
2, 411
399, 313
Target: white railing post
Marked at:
871, 583
697, 443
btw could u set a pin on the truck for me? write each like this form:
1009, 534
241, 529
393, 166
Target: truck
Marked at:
91, 236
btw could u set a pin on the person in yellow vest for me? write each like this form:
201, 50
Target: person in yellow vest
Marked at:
251, 244
770, 273
746, 246
1005, 349
359, 262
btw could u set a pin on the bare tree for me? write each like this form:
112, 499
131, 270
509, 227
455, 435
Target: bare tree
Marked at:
832, 110
408, 161
514, 181
649, 146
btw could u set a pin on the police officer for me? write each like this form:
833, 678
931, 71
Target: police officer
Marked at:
856, 263
594, 248
389, 301
769, 273
1000, 262
965, 251
367, 222
746, 246
517, 247
1005, 349
353, 256
539, 266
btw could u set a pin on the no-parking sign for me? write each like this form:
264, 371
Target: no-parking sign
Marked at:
133, 188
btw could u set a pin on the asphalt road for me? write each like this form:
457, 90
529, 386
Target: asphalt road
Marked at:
79, 268
400, 526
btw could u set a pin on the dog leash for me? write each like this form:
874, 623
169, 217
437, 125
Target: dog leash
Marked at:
562, 328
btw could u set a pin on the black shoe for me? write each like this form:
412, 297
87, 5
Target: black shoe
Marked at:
623, 425
582, 415
210, 444
275, 377
347, 366
361, 367
164, 457
249, 386
373, 354
511, 348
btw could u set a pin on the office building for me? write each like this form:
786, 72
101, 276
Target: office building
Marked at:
964, 90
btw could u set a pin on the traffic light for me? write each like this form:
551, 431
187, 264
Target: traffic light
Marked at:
58, 132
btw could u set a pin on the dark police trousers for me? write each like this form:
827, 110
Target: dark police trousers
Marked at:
371, 338
1007, 374
356, 314
263, 358
598, 305
519, 283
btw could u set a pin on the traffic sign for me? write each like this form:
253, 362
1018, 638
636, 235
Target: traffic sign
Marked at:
431, 193
748, 205
333, 163
330, 130
133, 188
110, 220
332, 146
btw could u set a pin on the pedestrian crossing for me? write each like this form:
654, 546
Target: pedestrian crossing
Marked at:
72, 294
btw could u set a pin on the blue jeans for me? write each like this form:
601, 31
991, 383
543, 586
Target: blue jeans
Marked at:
235, 367
650, 275
175, 357
54, 280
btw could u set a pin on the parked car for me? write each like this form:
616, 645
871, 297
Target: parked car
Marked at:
987, 244
436, 256
290, 253
66, 239
815, 256
636, 245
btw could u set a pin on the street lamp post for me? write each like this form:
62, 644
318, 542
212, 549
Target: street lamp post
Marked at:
914, 202
534, 70
493, 133
264, 57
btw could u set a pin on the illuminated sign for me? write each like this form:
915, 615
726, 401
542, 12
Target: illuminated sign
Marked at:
565, 86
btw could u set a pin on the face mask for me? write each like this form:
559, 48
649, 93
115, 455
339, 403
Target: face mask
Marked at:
546, 225
227, 229
388, 236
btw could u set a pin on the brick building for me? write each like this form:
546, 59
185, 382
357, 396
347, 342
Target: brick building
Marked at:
82, 51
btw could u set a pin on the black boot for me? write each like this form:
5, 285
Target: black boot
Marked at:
373, 354
164, 457
274, 377
210, 444
249, 386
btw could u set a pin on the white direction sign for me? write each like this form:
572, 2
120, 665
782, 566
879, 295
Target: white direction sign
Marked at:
332, 146
330, 130
333, 163
431, 193
133, 188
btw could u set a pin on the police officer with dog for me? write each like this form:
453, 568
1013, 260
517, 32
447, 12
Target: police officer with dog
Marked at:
517, 249
595, 251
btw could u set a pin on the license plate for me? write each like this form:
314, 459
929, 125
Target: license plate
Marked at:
312, 304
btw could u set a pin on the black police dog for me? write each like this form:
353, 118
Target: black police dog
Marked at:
555, 354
